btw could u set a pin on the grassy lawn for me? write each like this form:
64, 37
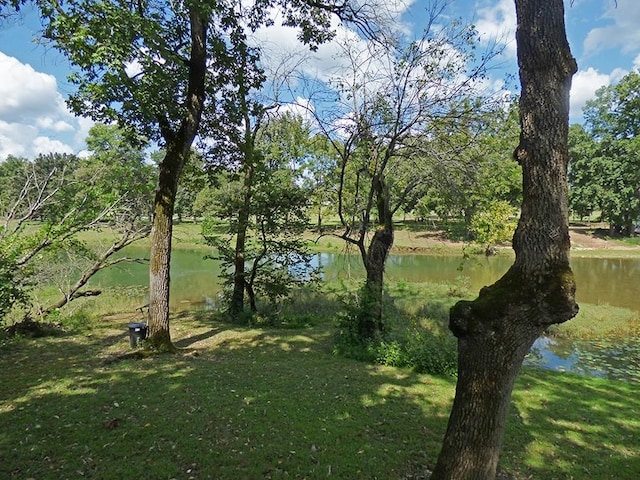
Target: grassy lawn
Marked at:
250, 403
240, 403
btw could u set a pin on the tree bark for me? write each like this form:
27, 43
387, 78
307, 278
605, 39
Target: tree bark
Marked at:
370, 323
236, 306
496, 330
178, 146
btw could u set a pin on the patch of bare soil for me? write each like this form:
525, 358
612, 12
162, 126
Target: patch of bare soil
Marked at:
594, 239
406, 241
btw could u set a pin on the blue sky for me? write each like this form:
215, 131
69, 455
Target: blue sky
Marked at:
604, 38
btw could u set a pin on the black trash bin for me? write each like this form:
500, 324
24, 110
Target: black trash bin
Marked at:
137, 332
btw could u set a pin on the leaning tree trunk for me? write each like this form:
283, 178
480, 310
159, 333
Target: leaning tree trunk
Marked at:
370, 322
496, 330
178, 147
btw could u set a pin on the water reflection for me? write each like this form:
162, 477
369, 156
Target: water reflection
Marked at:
599, 280
619, 359
195, 282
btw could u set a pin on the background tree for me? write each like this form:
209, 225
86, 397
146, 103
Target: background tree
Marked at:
387, 98
61, 196
266, 207
585, 192
496, 330
155, 67
605, 168
193, 180
474, 172
321, 179
494, 224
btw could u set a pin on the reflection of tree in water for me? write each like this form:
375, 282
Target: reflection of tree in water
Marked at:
618, 359
615, 359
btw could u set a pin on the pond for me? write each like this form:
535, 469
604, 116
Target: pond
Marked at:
195, 283
193, 279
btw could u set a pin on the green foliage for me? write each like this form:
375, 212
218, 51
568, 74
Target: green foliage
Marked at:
78, 321
604, 168
432, 353
55, 198
494, 223
266, 209
477, 170
12, 288
133, 59
405, 344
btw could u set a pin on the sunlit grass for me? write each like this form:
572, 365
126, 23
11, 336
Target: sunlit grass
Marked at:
599, 322
262, 403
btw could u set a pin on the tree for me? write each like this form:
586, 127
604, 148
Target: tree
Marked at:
193, 180
496, 330
156, 67
390, 97
60, 196
585, 190
480, 170
321, 178
267, 212
493, 224
605, 169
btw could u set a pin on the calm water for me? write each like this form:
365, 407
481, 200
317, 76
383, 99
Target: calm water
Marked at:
195, 282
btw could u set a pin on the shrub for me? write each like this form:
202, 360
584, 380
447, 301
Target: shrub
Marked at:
431, 353
11, 289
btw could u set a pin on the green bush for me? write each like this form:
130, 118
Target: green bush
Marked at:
405, 343
391, 353
431, 353
11, 289
77, 321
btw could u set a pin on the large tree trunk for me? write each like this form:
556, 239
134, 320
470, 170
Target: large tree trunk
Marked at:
496, 330
160, 256
178, 147
370, 323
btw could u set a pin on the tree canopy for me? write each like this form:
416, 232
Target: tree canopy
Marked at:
604, 172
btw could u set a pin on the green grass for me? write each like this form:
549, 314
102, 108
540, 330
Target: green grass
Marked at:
597, 322
633, 241
242, 403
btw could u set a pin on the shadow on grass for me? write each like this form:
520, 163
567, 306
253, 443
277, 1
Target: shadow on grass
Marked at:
257, 405
566, 426
267, 404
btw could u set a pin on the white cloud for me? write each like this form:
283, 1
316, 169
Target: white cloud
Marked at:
49, 123
24, 140
25, 93
84, 125
300, 107
14, 139
46, 144
622, 32
636, 63
496, 23
584, 86
34, 116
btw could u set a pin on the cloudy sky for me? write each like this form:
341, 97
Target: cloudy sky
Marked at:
604, 38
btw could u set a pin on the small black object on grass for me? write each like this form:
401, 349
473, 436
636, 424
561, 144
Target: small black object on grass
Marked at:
137, 333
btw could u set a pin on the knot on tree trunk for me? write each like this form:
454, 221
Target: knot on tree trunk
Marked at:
537, 301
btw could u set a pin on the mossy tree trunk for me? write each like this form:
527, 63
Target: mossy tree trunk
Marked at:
178, 145
370, 321
496, 330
